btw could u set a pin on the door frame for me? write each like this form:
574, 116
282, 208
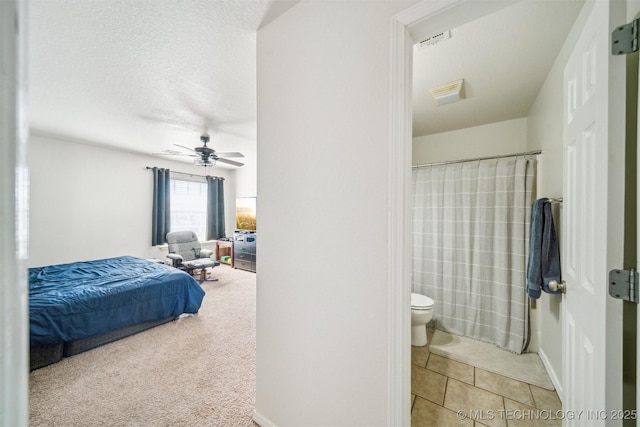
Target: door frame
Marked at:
452, 13
615, 212
14, 193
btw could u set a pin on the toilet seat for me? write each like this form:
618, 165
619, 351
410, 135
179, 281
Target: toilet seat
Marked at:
421, 302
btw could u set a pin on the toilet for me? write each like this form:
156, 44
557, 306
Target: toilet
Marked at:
421, 314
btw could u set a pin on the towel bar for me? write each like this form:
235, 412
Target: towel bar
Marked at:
557, 200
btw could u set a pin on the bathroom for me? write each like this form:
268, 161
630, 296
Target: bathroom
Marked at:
498, 63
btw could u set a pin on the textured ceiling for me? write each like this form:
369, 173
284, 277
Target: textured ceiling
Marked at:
142, 75
503, 57
146, 74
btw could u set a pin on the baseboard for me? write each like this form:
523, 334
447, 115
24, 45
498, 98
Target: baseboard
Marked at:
552, 374
261, 420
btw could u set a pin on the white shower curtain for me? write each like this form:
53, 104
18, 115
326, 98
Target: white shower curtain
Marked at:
470, 241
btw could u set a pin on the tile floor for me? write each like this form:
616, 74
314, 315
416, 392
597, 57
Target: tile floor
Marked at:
446, 392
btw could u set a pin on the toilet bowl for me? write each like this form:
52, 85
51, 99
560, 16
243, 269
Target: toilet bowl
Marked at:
421, 314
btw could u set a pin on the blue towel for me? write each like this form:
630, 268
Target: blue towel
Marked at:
544, 253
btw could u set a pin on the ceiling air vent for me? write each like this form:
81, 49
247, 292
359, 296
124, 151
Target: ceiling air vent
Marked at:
430, 41
448, 92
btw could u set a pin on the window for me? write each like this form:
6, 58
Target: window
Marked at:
189, 207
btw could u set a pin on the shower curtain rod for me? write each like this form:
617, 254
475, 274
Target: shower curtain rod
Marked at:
449, 162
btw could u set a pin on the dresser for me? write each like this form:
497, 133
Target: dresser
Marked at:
244, 250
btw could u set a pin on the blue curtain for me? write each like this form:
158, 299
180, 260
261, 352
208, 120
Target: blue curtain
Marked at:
160, 222
215, 208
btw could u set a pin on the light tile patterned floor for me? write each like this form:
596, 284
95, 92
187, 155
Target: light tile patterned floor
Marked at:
446, 392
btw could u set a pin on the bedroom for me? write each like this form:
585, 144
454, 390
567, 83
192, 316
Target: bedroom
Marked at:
90, 200
364, 274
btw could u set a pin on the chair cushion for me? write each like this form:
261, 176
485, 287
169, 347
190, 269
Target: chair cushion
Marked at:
186, 250
181, 237
184, 243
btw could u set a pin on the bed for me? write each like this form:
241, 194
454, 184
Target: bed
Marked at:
78, 306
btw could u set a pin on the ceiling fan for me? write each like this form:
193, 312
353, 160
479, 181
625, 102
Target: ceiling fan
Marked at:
204, 156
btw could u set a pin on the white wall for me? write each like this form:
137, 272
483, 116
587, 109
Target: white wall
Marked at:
246, 176
90, 202
545, 133
494, 139
323, 129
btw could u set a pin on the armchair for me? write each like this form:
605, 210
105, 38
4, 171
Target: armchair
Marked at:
186, 253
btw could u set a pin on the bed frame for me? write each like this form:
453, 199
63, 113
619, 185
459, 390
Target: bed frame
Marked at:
45, 354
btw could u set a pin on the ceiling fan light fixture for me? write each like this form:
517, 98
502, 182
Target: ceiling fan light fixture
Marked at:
200, 162
448, 92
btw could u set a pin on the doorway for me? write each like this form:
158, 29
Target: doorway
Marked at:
436, 17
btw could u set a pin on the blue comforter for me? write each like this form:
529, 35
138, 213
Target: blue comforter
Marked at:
82, 299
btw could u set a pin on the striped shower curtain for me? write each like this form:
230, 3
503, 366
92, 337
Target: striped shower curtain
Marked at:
470, 240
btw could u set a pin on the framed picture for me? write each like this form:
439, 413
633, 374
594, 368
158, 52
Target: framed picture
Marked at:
246, 213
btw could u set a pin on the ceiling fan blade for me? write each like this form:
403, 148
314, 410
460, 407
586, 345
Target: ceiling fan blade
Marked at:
175, 154
186, 148
234, 154
231, 162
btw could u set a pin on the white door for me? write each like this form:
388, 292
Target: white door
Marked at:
638, 250
634, 12
585, 222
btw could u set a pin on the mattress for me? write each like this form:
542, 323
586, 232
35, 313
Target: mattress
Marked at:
71, 302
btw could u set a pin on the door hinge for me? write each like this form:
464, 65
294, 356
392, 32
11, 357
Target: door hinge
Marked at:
623, 284
624, 39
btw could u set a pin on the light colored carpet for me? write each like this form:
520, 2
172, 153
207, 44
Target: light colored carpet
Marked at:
525, 367
198, 370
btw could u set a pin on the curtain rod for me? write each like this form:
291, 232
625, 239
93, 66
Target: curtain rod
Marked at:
449, 162
191, 174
